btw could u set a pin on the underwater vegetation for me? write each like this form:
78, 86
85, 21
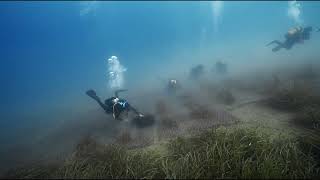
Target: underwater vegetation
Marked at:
292, 98
219, 152
298, 97
203, 123
309, 116
235, 152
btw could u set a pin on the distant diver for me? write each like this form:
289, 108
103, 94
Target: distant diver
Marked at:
173, 86
293, 36
220, 67
114, 105
196, 72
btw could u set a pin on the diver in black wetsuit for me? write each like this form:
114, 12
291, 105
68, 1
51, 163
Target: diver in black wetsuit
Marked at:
114, 105
293, 36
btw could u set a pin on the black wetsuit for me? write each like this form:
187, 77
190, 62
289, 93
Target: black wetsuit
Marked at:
290, 41
116, 108
113, 105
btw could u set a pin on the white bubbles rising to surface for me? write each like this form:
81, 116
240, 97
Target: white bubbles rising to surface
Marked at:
115, 73
88, 7
216, 7
294, 12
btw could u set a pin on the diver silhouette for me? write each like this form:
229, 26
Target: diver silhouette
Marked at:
173, 86
196, 72
220, 67
114, 105
293, 36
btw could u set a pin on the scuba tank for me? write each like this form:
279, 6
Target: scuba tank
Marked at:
293, 32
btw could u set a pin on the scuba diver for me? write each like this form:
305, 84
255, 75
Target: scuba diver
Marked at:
173, 86
293, 36
196, 72
220, 67
114, 105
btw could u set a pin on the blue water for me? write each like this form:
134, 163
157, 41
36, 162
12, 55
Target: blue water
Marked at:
52, 52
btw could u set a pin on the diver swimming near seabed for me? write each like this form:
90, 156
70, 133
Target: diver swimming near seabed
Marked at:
119, 107
114, 105
293, 36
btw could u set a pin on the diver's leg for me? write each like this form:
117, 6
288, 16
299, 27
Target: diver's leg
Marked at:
275, 42
91, 93
277, 48
289, 45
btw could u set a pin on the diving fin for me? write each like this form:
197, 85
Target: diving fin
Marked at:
91, 93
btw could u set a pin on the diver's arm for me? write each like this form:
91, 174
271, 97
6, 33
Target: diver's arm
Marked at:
118, 91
